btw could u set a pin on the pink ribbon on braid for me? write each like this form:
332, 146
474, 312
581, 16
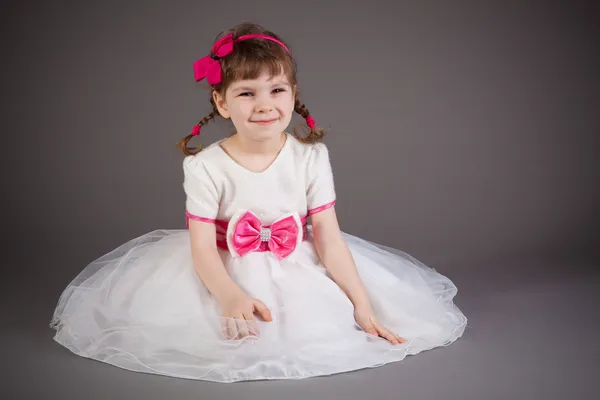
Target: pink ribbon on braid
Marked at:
196, 130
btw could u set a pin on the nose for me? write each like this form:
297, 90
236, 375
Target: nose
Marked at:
264, 107
264, 103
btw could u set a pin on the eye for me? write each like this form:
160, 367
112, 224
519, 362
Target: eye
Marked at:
279, 90
245, 94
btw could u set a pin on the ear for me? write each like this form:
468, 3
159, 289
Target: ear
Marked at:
221, 104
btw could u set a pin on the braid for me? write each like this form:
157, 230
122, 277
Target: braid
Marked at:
182, 144
314, 134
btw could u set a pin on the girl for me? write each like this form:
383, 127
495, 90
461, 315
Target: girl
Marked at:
250, 290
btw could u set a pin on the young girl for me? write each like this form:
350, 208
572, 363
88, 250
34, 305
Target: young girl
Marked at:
250, 290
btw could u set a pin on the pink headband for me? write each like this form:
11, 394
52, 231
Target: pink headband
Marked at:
209, 67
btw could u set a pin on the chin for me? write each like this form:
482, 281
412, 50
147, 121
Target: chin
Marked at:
265, 137
266, 134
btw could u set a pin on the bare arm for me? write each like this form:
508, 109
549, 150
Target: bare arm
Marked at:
336, 257
236, 305
207, 262
338, 260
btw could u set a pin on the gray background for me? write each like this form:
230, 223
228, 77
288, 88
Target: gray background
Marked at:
464, 133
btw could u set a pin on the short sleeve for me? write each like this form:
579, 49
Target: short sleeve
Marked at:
202, 195
320, 190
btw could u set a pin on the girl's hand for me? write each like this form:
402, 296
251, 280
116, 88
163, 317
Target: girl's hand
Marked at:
365, 318
238, 311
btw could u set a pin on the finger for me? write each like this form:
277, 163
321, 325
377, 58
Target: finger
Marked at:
242, 327
370, 329
224, 328
386, 334
400, 338
251, 323
263, 310
231, 329
389, 336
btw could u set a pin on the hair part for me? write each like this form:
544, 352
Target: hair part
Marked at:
249, 59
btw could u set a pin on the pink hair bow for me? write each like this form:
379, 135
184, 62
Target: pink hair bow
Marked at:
281, 238
209, 67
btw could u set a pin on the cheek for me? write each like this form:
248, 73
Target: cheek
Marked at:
240, 110
287, 105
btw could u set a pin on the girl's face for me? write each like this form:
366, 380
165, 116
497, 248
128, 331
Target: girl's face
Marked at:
260, 108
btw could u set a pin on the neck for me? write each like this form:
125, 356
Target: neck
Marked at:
267, 146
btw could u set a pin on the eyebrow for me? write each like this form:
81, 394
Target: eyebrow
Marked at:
242, 88
246, 88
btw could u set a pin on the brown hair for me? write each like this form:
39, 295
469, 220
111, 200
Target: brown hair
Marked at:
248, 59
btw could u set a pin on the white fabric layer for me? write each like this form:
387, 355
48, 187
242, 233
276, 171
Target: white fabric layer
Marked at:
142, 307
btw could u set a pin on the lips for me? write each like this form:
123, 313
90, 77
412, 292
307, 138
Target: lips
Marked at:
265, 121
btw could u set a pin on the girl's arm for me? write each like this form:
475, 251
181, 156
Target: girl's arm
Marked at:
336, 257
338, 260
237, 307
208, 263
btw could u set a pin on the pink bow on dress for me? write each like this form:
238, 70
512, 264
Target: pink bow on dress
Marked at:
281, 237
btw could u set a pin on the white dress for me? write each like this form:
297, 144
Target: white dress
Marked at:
142, 306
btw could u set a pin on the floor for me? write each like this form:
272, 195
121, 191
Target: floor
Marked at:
531, 335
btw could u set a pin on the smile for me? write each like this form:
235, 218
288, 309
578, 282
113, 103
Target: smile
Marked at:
265, 122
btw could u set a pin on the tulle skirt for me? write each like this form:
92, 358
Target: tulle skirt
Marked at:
143, 308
